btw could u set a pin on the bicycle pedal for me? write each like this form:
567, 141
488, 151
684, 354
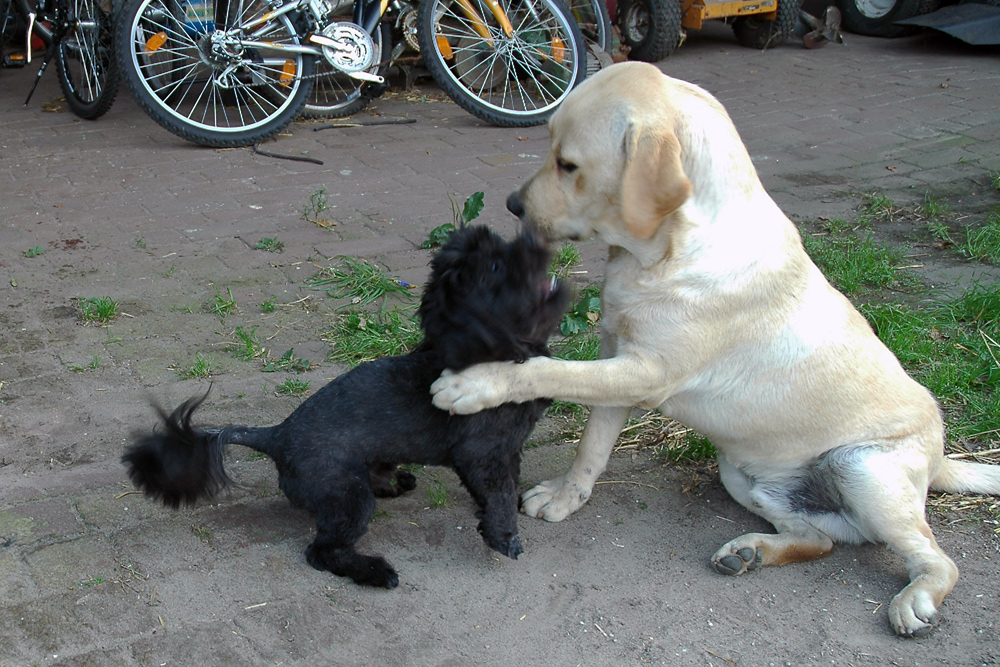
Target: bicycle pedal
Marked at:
14, 60
376, 90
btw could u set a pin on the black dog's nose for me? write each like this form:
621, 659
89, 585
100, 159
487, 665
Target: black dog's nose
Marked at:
514, 204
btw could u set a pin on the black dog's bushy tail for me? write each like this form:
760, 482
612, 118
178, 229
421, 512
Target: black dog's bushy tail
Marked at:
178, 463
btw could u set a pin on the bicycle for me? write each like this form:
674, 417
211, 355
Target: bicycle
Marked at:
78, 35
237, 72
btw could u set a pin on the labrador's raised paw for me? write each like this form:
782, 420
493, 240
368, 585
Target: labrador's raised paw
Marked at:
554, 500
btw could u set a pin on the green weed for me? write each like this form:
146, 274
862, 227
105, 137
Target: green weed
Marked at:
287, 362
269, 304
101, 309
358, 336
95, 361
270, 245
199, 370
292, 387
359, 281
437, 494
584, 314
470, 211
565, 259
93, 581
140, 242
995, 180
940, 233
221, 305
316, 209
34, 252
246, 346
203, 533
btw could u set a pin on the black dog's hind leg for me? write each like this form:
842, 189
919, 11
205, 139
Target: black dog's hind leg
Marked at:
389, 481
342, 517
492, 481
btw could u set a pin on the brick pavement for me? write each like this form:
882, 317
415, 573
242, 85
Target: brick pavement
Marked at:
122, 207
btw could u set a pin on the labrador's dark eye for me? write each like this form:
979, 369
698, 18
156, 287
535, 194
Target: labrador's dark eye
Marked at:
565, 166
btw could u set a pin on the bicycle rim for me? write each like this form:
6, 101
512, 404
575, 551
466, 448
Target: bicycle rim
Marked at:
88, 74
203, 82
511, 80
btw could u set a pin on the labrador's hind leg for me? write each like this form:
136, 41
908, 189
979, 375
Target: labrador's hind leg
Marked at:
891, 505
342, 517
797, 539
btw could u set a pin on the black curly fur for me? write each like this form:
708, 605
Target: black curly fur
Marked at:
486, 300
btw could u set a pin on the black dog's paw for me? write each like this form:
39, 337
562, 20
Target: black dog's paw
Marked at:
508, 544
406, 480
346, 562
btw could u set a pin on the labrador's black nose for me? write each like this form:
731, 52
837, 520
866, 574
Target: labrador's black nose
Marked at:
514, 204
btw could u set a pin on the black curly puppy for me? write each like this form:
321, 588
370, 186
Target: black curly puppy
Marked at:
486, 300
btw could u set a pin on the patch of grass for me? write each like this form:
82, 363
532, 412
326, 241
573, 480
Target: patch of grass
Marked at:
437, 494
140, 242
995, 180
221, 305
953, 349
940, 233
169, 273
982, 242
564, 260
34, 252
877, 205
579, 347
101, 309
246, 346
287, 362
95, 361
358, 336
199, 370
292, 387
269, 304
270, 245
93, 581
361, 282
203, 533
856, 266
932, 208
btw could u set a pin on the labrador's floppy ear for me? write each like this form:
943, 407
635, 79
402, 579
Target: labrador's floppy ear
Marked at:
654, 184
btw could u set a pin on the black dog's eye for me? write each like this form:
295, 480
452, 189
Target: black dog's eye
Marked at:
565, 166
496, 267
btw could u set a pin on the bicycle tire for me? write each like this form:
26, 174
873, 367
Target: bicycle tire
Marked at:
233, 95
520, 79
335, 94
85, 60
595, 25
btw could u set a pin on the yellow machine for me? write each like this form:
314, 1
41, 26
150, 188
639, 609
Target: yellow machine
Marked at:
653, 29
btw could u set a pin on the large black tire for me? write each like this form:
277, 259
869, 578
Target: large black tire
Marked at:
85, 61
509, 81
336, 95
164, 59
756, 32
650, 28
877, 17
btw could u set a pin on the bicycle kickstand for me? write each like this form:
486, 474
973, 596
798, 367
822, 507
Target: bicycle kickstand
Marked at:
49, 53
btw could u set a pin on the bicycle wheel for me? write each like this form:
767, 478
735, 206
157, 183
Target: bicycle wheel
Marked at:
511, 78
202, 74
335, 94
85, 61
595, 25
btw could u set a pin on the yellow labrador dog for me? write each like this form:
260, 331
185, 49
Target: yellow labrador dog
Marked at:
714, 314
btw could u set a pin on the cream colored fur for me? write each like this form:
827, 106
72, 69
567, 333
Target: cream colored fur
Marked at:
714, 314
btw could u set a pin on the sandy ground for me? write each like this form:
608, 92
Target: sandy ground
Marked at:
93, 574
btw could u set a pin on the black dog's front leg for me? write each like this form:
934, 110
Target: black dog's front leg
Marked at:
492, 481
